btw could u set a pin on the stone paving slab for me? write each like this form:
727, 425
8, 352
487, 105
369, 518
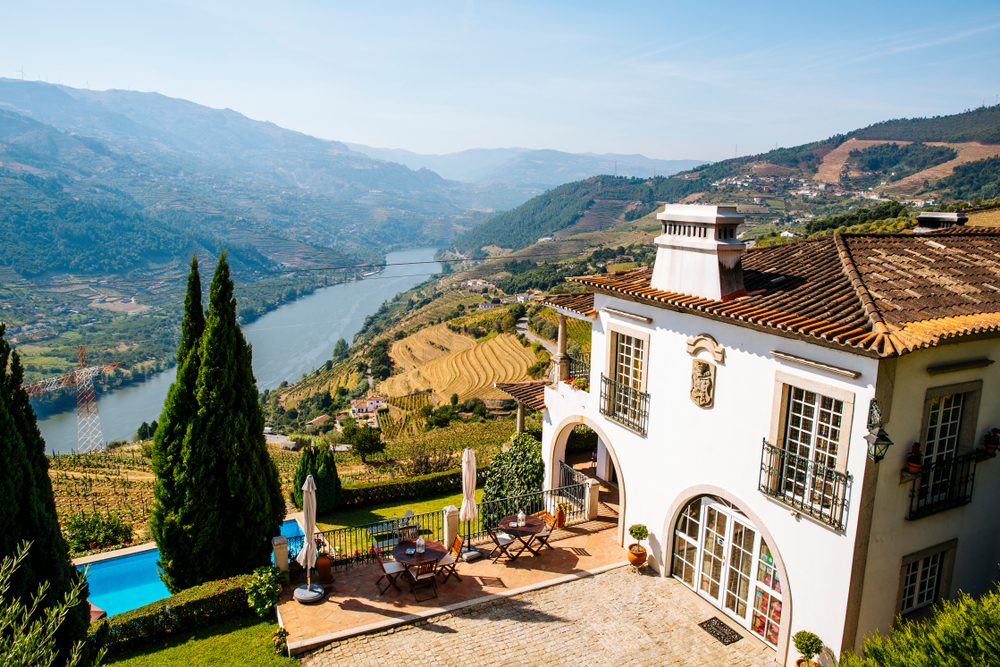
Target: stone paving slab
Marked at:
623, 617
353, 604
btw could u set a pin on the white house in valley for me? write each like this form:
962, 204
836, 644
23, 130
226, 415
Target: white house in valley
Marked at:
745, 402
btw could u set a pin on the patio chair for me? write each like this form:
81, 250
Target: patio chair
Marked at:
447, 565
501, 542
408, 533
546, 517
422, 575
542, 536
390, 571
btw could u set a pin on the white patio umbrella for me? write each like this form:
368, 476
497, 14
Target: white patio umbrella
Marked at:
468, 511
307, 555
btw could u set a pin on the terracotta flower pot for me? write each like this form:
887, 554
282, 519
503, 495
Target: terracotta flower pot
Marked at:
913, 468
990, 447
636, 554
324, 569
560, 517
802, 662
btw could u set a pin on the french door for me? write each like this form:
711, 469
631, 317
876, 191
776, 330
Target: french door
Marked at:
721, 555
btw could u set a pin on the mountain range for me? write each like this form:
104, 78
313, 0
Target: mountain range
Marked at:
528, 167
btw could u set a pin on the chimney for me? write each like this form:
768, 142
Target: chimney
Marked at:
698, 252
933, 221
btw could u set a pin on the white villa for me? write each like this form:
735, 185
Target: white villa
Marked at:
755, 409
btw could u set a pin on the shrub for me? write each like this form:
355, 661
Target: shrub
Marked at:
807, 644
319, 462
425, 486
959, 632
87, 532
190, 609
264, 590
639, 532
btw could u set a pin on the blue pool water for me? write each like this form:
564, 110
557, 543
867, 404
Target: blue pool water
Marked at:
124, 583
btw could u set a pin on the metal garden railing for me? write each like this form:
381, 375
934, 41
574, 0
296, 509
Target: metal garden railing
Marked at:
571, 476
356, 545
625, 405
807, 486
579, 366
943, 485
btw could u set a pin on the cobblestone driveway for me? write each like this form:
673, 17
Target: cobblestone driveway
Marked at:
617, 618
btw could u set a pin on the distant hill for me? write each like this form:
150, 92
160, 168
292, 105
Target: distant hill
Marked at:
611, 199
981, 125
528, 168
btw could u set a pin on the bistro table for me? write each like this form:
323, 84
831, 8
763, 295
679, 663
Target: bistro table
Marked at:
525, 533
433, 550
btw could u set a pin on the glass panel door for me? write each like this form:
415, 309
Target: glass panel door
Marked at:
942, 442
741, 549
765, 618
713, 555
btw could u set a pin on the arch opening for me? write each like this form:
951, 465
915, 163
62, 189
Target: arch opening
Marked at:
721, 554
590, 454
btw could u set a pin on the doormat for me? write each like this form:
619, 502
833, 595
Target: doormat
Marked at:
720, 631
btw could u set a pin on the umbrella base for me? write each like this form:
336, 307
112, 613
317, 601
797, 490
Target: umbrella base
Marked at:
470, 553
309, 594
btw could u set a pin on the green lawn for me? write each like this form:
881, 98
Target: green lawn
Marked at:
236, 641
361, 515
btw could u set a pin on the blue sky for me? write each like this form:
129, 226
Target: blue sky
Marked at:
665, 79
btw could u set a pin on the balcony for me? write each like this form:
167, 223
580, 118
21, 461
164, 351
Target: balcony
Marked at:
579, 367
942, 486
804, 485
625, 405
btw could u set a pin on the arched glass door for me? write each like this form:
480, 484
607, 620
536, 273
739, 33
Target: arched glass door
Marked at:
720, 554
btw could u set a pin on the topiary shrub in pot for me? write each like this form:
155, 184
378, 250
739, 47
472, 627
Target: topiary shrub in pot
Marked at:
637, 552
808, 645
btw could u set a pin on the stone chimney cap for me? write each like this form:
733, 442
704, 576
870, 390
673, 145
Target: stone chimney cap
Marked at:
706, 215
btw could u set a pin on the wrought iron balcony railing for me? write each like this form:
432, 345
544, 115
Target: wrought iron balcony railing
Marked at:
943, 485
579, 367
808, 487
625, 405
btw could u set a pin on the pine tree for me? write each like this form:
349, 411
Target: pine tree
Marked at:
179, 410
29, 510
228, 494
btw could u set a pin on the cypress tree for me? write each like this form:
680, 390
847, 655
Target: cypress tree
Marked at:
29, 510
179, 410
230, 495
318, 461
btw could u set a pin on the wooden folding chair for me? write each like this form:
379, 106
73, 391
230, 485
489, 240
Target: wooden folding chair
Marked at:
390, 571
542, 536
423, 573
501, 542
447, 565
408, 533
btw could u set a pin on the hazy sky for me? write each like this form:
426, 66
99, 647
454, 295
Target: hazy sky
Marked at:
665, 79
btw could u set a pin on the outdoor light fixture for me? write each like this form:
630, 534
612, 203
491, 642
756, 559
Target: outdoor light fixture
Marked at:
878, 439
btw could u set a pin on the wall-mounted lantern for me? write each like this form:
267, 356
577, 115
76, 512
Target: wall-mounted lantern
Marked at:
878, 439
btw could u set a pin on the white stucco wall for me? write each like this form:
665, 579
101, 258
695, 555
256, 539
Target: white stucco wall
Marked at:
690, 448
975, 525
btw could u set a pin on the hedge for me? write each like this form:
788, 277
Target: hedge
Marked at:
413, 488
190, 609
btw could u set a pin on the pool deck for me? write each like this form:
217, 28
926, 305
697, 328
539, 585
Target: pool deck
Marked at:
127, 551
353, 605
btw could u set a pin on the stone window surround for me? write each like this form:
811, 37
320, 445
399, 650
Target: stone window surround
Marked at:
783, 382
611, 349
970, 413
946, 568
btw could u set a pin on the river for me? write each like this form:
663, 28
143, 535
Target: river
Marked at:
296, 338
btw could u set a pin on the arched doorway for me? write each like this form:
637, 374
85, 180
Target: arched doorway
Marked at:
721, 554
605, 469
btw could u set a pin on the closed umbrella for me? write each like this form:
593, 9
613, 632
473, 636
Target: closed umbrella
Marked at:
468, 511
307, 555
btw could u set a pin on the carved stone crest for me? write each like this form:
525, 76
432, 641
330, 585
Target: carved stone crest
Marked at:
702, 371
703, 383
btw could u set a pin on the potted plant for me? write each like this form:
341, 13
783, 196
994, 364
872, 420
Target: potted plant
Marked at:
637, 552
324, 564
808, 645
914, 460
991, 440
581, 383
562, 511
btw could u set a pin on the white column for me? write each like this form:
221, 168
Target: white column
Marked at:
451, 525
280, 546
602, 469
592, 495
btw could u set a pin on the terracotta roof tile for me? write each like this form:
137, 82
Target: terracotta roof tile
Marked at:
530, 392
581, 303
882, 293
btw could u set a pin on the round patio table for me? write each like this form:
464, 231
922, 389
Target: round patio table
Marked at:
433, 550
525, 533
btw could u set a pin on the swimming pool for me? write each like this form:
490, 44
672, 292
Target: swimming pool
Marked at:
124, 583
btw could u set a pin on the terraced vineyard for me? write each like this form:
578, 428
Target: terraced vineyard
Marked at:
441, 307
410, 402
427, 345
470, 373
